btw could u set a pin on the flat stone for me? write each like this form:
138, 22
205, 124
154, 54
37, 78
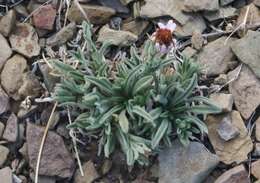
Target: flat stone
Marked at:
136, 27
257, 129
5, 51
226, 130
216, 56
118, 38
190, 164
255, 168
24, 40
257, 149
221, 79
253, 13
2, 128
22, 83
96, 14
44, 17
7, 23
4, 151
245, 90
236, 174
4, 102
56, 159
234, 150
6, 175
189, 52
247, 50
90, 173
222, 100
200, 5
223, 13
11, 130
225, 2
61, 37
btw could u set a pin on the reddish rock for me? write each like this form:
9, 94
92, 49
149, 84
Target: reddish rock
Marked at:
55, 160
237, 174
44, 17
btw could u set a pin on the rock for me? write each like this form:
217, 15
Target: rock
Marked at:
245, 90
55, 160
234, 150
236, 174
106, 167
253, 13
61, 37
222, 100
44, 17
194, 23
197, 40
200, 5
4, 102
90, 173
24, 151
176, 163
4, 151
137, 27
96, 14
6, 175
24, 40
215, 57
173, 8
221, 79
63, 131
2, 128
226, 130
257, 130
49, 79
255, 168
225, 2
5, 51
247, 50
118, 38
189, 52
257, 2
45, 115
223, 13
257, 149
25, 111
114, 4
7, 23
22, 83
11, 130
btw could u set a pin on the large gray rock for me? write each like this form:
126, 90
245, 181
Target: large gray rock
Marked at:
177, 164
56, 159
5, 51
247, 50
7, 23
4, 101
245, 90
200, 5
216, 56
225, 2
222, 13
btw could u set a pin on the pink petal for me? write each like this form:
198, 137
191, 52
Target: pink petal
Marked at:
163, 49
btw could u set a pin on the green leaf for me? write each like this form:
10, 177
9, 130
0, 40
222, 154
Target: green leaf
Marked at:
200, 124
123, 122
160, 133
142, 112
102, 83
109, 113
142, 84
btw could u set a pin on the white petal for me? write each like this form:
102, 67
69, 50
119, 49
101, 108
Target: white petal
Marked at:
161, 25
157, 46
171, 26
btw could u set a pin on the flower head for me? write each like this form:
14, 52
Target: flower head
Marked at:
163, 37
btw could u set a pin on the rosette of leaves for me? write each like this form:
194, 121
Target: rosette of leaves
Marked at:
141, 108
